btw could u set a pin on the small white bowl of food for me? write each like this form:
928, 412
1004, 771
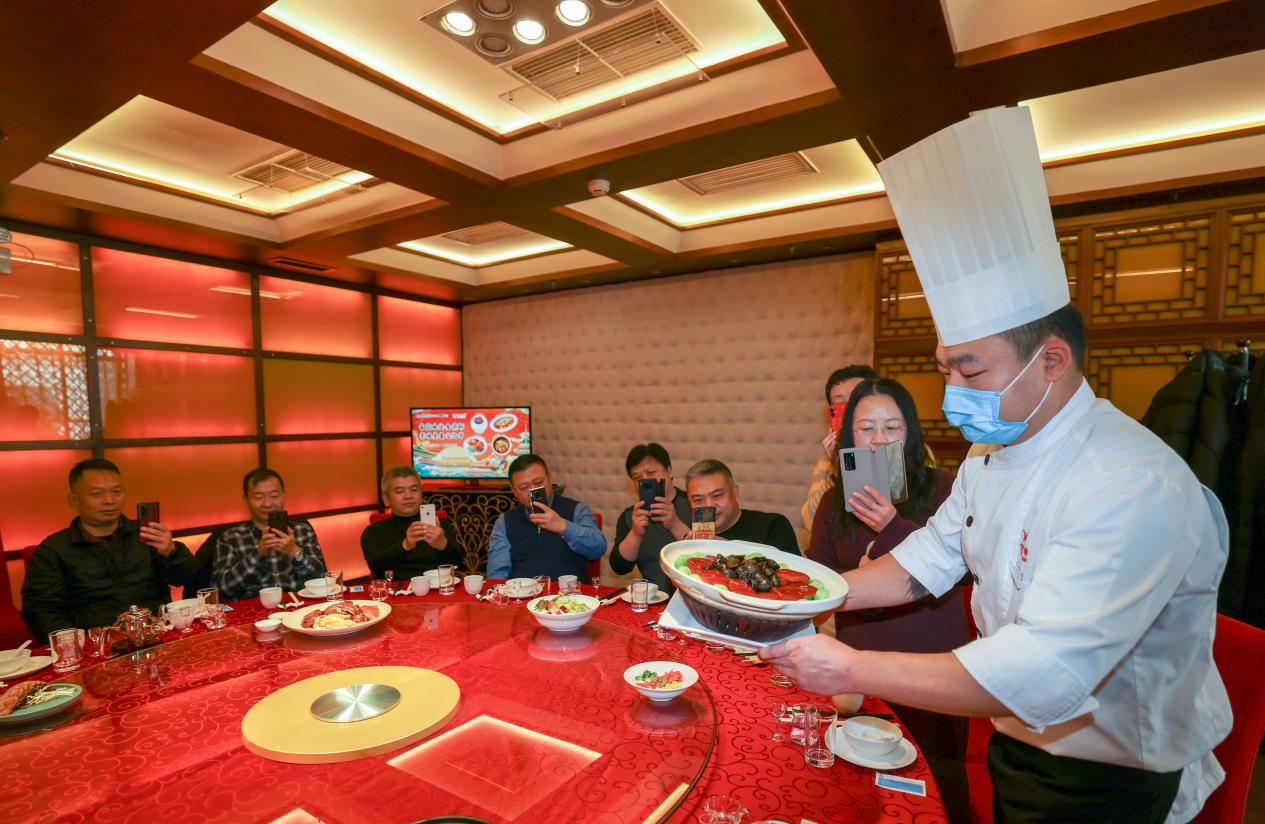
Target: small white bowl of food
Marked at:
871, 736
661, 680
562, 613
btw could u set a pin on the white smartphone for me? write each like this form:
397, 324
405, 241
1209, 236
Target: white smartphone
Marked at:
427, 515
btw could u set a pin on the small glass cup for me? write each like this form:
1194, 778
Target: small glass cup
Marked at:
66, 648
714, 646
498, 595
597, 587
664, 633
806, 728
99, 642
447, 579
210, 600
379, 590
780, 680
544, 583
723, 809
333, 585
389, 574
777, 707
639, 594
181, 618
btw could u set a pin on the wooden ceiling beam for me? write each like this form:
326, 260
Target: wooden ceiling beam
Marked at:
221, 92
67, 66
586, 232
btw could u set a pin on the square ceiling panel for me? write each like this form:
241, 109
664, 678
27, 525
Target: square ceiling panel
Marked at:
485, 245
388, 37
154, 143
811, 177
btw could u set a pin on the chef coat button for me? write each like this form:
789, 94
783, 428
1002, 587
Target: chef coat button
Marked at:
975, 578
970, 519
986, 457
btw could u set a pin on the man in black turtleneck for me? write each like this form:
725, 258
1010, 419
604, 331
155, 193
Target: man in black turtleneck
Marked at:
400, 542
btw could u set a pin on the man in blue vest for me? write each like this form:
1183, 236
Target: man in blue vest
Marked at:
557, 537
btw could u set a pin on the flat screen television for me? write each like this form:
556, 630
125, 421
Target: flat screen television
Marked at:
469, 442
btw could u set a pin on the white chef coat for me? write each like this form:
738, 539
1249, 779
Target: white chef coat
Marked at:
1101, 643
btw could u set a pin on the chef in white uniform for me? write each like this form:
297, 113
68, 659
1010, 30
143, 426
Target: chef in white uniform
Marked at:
1096, 554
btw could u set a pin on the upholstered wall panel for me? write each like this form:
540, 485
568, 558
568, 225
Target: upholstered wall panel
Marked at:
727, 364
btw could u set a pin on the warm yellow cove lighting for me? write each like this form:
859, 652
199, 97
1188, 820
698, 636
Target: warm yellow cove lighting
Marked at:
546, 245
263, 293
274, 207
162, 312
750, 210
1136, 140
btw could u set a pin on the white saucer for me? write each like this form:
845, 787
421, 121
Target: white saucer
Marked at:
307, 593
659, 597
902, 756
33, 664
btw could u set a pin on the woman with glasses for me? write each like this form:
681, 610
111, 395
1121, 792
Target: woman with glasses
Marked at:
881, 411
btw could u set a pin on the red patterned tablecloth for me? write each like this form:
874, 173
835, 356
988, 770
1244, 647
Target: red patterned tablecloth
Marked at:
770, 778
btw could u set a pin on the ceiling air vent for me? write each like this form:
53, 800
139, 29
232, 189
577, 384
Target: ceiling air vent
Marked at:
486, 233
301, 265
292, 172
633, 44
748, 174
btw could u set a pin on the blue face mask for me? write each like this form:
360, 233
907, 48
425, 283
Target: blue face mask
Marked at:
977, 412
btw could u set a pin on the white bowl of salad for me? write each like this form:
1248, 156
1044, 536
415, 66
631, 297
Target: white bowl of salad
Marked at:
661, 680
562, 613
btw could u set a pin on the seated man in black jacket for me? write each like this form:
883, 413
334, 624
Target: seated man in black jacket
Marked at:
710, 483
641, 531
400, 542
104, 562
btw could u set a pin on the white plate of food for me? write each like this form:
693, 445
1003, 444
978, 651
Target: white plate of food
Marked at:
476, 445
504, 422
336, 617
809, 588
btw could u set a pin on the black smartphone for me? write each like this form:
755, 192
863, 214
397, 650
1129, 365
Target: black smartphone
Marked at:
650, 488
279, 520
147, 513
538, 496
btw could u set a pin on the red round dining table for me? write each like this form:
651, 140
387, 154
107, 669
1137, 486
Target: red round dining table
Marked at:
545, 730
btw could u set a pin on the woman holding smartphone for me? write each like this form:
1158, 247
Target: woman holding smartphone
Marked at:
881, 411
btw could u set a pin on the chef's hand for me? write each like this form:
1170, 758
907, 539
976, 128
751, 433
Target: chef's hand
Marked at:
274, 540
816, 663
640, 519
158, 536
420, 533
546, 518
873, 509
829, 444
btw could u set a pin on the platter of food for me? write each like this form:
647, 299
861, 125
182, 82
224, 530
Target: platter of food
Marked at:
31, 701
336, 617
753, 576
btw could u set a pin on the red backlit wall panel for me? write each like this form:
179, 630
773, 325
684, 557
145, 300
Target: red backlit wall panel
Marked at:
150, 298
43, 391
418, 332
319, 320
403, 388
42, 294
304, 397
397, 452
33, 489
196, 485
326, 474
340, 543
147, 393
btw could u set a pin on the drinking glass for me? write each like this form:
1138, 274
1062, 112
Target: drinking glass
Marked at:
99, 642
379, 590
723, 809
816, 753
713, 646
210, 600
543, 585
182, 618
639, 594
664, 633
568, 585
66, 648
597, 586
806, 728
389, 575
333, 585
780, 680
498, 595
778, 708
446, 579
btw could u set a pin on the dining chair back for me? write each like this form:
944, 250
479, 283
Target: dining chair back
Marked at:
1239, 652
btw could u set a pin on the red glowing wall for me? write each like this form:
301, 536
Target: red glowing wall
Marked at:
150, 393
42, 294
316, 320
403, 388
418, 332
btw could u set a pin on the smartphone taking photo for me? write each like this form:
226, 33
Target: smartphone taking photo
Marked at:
427, 515
704, 522
837, 413
279, 520
147, 513
860, 468
650, 488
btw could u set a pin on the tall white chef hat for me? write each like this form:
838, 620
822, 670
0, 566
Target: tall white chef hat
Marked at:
974, 212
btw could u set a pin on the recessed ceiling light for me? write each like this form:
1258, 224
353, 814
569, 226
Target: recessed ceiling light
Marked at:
496, 9
494, 45
529, 31
616, 4
458, 22
574, 12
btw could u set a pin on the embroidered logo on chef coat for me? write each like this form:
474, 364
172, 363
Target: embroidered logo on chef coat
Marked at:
1023, 548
